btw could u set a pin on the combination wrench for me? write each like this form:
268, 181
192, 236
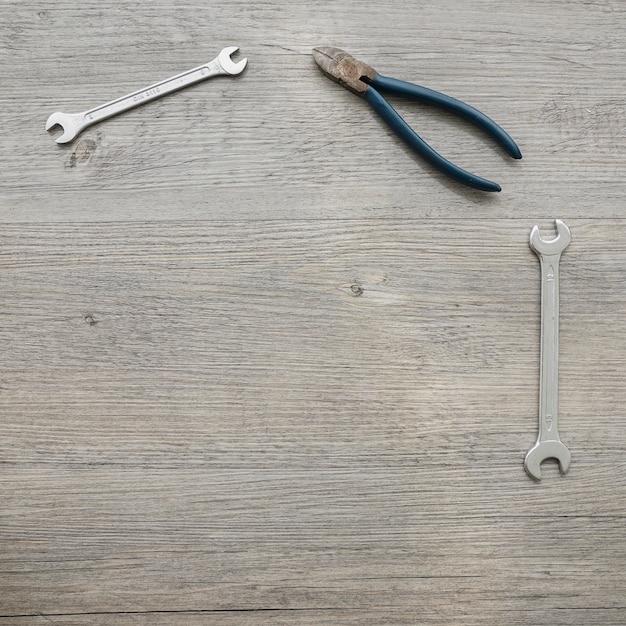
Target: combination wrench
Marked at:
73, 123
549, 444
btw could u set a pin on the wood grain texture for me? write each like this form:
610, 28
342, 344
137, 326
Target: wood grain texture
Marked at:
262, 366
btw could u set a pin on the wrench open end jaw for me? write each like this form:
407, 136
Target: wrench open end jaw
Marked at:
546, 450
68, 124
227, 64
551, 246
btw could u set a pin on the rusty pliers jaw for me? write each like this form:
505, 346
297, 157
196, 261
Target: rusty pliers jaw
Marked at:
344, 69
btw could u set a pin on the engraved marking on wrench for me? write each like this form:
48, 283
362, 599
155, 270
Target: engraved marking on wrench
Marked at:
548, 443
73, 123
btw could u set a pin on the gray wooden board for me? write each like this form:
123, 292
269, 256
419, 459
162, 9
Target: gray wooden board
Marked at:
263, 366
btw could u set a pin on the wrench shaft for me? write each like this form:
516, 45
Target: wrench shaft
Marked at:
549, 376
152, 92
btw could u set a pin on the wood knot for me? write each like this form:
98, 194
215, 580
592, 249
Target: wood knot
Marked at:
82, 152
90, 319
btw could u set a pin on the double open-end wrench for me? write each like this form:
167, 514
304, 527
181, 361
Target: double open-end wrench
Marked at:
73, 123
548, 443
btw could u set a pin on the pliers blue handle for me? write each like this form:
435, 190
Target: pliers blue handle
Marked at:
363, 80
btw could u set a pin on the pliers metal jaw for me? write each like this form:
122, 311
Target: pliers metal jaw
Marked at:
366, 82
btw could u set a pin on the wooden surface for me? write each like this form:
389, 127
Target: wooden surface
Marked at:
261, 365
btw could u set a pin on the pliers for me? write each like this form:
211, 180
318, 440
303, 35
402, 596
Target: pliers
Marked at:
366, 82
